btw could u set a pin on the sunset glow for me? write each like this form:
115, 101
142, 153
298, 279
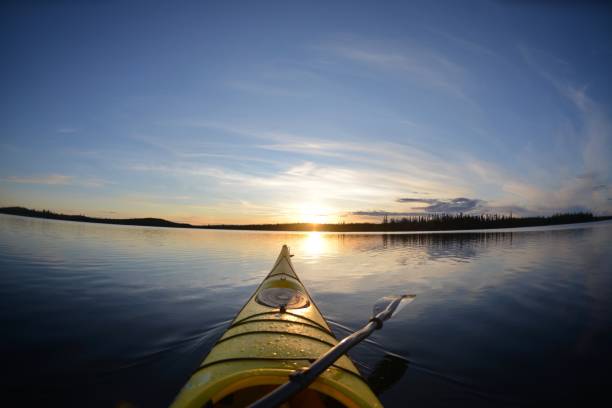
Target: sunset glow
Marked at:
315, 213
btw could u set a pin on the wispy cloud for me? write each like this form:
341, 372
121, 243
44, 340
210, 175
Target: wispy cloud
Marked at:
421, 65
266, 89
189, 150
58, 180
590, 188
402, 160
471, 46
67, 130
351, 171
50, 179
93, 182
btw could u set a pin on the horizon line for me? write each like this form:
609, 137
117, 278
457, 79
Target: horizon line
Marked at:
425, 222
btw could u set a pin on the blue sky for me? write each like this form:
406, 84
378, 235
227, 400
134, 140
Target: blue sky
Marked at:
242, 112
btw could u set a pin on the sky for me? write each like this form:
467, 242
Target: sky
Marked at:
259, 112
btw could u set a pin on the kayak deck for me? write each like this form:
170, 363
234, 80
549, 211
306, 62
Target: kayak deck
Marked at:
278, 331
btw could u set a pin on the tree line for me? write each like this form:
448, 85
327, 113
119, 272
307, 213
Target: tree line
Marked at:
442, 221
425, 222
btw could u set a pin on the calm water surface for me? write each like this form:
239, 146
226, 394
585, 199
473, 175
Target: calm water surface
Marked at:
101, 315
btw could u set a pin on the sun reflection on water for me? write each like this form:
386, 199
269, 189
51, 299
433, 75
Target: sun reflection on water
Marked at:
314, 244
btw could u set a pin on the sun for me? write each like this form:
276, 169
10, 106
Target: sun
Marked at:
315, 213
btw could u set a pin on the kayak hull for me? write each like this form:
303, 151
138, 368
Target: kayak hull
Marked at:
279, 330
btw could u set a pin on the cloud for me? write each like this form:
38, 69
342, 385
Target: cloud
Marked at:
466, 44
58, 180
595, 130
422, 65
585, 191
402, 162
418, 200
51, 179
266, 89
352, 171
67, 130
93, 182
436, 205
302, 170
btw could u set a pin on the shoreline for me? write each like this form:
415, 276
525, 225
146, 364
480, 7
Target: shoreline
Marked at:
452, 224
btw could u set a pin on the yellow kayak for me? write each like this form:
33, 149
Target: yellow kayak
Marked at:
277, 331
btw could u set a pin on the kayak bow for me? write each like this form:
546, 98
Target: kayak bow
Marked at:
279, 330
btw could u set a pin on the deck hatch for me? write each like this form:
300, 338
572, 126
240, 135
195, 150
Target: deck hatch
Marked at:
288, 297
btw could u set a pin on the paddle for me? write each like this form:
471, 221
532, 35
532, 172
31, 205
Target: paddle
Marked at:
383, 310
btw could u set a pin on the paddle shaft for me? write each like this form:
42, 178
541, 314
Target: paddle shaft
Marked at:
300, 380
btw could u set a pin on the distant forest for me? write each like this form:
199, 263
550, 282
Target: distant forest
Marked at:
145, 222
426, 222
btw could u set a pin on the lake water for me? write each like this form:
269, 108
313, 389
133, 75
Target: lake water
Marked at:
105, 316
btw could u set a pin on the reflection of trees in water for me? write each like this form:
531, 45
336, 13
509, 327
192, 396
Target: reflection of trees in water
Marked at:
447, 245
463, 246
470, 245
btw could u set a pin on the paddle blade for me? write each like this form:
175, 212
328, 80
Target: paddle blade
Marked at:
387, 372
393, 303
